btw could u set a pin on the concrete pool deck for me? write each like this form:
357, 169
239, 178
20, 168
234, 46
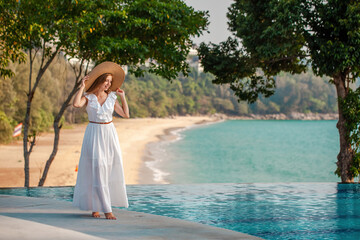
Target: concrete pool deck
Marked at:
39, 218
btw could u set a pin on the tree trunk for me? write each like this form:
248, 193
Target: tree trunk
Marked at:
26, 128
57, 119
346, 154
53, 153
25, 143
57, 128
32, 89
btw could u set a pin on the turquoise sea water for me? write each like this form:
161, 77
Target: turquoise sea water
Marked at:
250, 151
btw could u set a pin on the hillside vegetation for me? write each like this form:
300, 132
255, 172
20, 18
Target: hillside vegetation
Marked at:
153, 96
195, 94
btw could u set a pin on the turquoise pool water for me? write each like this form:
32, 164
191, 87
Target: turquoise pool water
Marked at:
270, 211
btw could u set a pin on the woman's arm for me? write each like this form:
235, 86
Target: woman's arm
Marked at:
79, 99
124, 109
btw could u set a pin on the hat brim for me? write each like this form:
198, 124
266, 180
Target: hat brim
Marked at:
107, 67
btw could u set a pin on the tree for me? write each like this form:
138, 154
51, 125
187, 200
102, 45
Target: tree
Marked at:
10, 47
39, 29
289, 35
127, 32
146, 32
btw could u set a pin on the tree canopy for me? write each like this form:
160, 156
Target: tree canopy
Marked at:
124, 31
288, 35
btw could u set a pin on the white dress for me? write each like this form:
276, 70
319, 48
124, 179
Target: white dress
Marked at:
100, 181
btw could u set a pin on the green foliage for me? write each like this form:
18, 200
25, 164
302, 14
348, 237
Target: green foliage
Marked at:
285, 36
270, 41
46, 101
124, 31
300, 93
131, 32
37, 25
5, 128
154, 96
234, 67
333, 35
351, 111
41, 120
10, 47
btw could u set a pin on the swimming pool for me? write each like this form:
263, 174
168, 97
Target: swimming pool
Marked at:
270, 211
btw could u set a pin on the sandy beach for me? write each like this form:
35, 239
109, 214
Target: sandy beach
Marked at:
134, 135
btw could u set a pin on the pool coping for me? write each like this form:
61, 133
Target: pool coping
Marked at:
40, 218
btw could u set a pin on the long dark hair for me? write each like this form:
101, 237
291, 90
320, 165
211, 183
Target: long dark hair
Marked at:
100, 80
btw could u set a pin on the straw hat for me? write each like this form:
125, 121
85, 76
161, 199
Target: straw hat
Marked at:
107, 67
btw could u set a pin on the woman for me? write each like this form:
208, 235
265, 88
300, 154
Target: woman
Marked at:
100, 182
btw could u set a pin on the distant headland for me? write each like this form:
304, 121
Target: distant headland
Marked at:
281, 116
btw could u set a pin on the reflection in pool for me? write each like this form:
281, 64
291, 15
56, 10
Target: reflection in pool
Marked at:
270, 211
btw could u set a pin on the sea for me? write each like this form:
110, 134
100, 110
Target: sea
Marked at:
248, 151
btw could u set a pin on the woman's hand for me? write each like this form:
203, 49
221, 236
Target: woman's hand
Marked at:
120, 92
83, 81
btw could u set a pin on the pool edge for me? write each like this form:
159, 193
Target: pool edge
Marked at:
129, 225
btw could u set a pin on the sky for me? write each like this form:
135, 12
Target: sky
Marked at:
218, 21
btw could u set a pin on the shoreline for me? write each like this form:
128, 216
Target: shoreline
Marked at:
149, 172
282, 116
135, 137
134, 134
